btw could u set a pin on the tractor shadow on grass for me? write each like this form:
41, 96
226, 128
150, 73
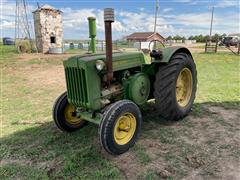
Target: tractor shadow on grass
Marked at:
149, 111
49, 152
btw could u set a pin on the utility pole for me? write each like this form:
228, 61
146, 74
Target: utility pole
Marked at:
211, 24
156, 15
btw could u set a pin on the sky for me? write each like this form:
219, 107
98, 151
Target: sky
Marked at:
175, 17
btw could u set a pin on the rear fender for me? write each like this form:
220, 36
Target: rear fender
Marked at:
168, 53
171, 51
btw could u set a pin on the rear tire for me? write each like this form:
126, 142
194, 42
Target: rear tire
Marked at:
175, 102
120, 126
64, 115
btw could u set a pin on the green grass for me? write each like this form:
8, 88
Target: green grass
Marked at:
202, 46
12, 171
7, 51
218, 79
141, 154
33, 148
44, 62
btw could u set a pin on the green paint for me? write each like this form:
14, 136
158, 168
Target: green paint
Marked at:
92, 33
138, 88
83, 83
91, 117
167, 54
84, 80
149, 69
170, 51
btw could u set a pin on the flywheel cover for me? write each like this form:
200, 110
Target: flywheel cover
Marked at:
139, 88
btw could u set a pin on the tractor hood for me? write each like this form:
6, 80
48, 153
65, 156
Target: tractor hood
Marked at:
121, 60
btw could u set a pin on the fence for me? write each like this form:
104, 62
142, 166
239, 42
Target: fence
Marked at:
211, 47
100, 45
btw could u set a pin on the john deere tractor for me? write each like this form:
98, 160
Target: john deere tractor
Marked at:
109, 89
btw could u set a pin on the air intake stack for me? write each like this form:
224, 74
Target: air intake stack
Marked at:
92, 33
109, 19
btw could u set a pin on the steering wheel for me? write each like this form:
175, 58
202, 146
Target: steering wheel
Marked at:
156, 54
149, 46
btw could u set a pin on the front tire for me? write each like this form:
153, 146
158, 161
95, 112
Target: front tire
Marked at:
175, 87
64, 115
120, 126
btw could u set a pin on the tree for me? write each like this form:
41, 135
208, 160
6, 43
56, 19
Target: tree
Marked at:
215, 37
177, 37
190, 38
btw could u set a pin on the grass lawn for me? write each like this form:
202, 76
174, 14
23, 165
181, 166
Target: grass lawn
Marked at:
205, 145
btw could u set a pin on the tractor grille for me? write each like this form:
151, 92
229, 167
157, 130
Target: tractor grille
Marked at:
76, 86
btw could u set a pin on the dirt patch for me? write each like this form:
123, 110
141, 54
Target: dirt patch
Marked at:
206, 152
39, 56
152, 147
39, 76
39, 70
195, 161
131, 168
229, 169
49, 166
46, 165
127, 164
225, 113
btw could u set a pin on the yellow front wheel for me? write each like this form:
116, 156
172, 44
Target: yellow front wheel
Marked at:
120, 126
125, 128
65, 116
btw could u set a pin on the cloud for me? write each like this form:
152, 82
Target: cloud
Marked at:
167, 10
203, 19
141, 9
7, 18
76, 18
227, 3
133, 21
75, 21
190, 19
7, 25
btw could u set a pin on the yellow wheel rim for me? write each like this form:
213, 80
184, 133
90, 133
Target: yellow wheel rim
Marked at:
125, 128
184, 87
70, 115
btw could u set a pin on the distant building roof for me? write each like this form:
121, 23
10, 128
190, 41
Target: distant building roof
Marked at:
46, 7
144, 36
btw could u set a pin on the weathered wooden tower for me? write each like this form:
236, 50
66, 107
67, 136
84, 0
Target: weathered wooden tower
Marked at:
48, 28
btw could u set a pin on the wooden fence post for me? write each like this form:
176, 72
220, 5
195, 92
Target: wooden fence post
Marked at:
239, 48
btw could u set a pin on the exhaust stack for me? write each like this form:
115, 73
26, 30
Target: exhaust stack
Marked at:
108, 20
92, 33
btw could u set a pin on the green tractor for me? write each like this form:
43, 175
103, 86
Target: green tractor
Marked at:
109, 89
